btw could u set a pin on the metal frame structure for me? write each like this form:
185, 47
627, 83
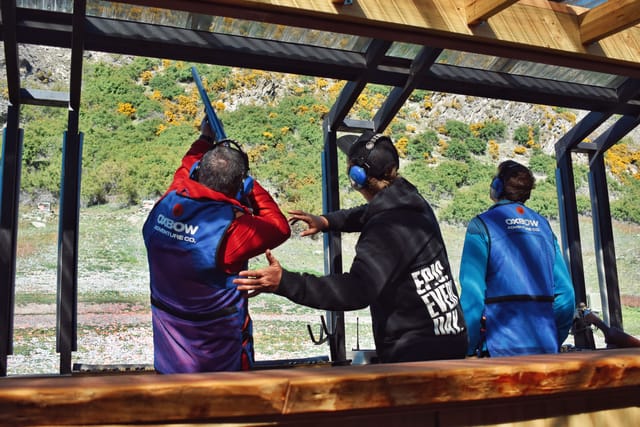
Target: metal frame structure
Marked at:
80, 32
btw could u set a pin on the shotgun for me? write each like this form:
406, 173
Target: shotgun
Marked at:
613, 336
212, 117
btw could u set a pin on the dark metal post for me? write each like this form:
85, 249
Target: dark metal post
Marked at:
570, 226
332, 244
603, 238
571, 241
66, 339
9, 203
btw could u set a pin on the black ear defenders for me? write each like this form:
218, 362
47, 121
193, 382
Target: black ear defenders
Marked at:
247, 182
358, 171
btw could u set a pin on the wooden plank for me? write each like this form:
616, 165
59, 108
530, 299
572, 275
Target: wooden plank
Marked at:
533, 30
125, 399
527, 23
608, 18
481, 10
297, 393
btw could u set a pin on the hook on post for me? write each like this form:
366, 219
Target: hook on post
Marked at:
324, 333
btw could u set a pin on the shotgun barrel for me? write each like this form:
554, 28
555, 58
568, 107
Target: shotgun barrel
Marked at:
613, 336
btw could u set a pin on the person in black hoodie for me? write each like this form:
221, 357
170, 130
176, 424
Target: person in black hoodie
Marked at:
400, 270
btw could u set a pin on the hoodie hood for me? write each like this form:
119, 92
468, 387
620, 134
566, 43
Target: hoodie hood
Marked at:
400, 194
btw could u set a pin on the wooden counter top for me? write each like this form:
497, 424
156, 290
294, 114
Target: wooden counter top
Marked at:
280, 395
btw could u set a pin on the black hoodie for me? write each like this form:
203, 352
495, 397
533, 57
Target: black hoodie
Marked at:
401, 270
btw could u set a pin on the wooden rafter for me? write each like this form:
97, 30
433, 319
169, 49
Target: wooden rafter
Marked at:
608, 18
481, 10
535, 30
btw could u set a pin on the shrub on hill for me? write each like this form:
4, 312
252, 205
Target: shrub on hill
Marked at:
139, 117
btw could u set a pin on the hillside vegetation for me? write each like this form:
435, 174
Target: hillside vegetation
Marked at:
139, 115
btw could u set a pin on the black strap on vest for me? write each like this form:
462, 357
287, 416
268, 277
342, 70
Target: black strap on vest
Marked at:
193, 317
510, 298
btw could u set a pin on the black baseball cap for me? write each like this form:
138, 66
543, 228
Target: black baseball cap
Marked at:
374, 152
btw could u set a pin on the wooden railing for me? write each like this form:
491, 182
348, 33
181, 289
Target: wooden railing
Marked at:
601, 384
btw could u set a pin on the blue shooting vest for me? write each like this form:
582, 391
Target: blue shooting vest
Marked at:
198, 313
520, 284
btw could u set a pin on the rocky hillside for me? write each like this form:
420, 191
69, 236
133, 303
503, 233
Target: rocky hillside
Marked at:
48, 68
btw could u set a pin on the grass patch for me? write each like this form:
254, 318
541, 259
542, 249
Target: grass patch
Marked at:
24, 298
29, 340
283, 340
99, 297
112, 297
631, 320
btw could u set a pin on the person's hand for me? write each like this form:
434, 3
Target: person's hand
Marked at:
315, 223
206, 132
266, 279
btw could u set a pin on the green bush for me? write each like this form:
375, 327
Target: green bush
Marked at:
422, 144
626, 206
440, 181
457, 130
476, 145
105, 86
167, 85
525, 134
480, 173
542, 163
583, 205
457, 150
466, 204
418, 95
544, 200
493, 129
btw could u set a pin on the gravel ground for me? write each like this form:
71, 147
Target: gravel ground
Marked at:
107, 334
113, 334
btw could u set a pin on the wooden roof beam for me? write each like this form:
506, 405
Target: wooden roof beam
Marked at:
532, 30
481, 10
608, 18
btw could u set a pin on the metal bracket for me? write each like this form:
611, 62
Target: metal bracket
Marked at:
324, 333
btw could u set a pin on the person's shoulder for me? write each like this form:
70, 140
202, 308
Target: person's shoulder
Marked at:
476, 226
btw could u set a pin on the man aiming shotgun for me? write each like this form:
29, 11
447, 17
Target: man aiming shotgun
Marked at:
212, 219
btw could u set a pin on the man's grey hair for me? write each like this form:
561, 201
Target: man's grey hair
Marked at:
223, 169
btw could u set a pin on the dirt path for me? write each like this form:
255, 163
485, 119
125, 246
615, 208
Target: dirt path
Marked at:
33, 316
44, 315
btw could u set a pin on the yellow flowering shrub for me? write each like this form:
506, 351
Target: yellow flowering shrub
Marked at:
127, 109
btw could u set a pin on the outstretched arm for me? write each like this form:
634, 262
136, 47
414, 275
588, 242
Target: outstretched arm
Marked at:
266, 279
315, 223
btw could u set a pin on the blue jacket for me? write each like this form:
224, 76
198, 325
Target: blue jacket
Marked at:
511, 259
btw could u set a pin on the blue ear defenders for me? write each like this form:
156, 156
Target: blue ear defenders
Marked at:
497, 184
358, 176
247, 182
358, 171
497, 188
247, 187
